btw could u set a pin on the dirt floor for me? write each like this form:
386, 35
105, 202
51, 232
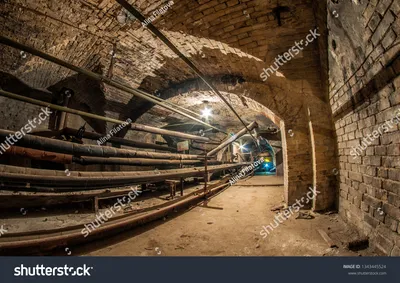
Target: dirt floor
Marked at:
230, 225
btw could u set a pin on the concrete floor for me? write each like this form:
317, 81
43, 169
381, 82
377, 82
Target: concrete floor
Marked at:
229, 225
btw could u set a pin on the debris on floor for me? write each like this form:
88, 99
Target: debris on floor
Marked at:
277, 207
358, 244
305, 215
327, 239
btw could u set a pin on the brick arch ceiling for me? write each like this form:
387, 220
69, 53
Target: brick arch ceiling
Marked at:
236, 37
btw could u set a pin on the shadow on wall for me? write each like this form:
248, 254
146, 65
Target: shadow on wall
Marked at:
370, 91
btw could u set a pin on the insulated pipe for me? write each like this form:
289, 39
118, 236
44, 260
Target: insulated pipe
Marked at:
39, 154
96, 136
98, 77
53, 145
136, 127
121, 141
85, 160
58, 179
233, 138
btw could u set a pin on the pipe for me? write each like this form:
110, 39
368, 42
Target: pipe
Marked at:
100, 78
53, 145
51, 239
63, 116
96, 136
85, 180
136, 127
144, 128
85, 160
121, 141
39, 155
233, 138
167, 42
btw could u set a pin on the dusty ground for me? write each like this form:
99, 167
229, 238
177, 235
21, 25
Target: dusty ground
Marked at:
230, 225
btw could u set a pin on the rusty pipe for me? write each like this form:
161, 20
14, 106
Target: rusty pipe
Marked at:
73, 235
39, 154
87, 160
42, 143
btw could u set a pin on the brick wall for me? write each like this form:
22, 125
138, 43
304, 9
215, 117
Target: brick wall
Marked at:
364, 93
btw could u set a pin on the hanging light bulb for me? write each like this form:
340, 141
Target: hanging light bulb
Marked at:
206, 112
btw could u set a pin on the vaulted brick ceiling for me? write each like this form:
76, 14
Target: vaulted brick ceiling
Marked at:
235, 38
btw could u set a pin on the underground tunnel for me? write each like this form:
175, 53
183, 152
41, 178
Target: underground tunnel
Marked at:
200, 128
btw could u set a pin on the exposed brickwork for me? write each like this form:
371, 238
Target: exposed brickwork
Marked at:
364, 93
222, 37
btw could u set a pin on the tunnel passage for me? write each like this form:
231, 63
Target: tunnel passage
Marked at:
129, 109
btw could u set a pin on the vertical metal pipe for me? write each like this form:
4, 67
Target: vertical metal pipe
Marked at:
63, 117
181, 179
205, 172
